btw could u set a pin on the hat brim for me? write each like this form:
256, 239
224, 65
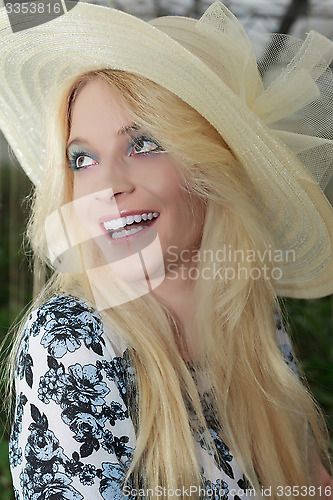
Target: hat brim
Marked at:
90, 37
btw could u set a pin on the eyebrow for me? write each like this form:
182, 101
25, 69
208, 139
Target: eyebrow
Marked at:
129, 128
122, 131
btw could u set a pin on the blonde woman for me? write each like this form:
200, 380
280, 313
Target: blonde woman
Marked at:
180, 194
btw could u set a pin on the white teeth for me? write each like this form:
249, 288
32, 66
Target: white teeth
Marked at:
126, 232
115, 224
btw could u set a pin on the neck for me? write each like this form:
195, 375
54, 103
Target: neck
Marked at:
176, 293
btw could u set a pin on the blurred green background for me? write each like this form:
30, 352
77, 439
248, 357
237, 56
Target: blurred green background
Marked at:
16, 286
310, 321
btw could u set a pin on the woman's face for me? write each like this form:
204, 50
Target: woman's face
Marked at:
126, 187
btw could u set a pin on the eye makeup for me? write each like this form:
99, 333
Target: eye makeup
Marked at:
143, 145
140, 145
76, 159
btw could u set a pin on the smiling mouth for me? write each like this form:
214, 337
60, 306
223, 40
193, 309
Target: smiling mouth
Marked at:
127, 226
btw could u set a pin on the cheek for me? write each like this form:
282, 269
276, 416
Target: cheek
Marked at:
87, 182
187, 209
163, 182
185, 214
190, 217
81, 187
83, 211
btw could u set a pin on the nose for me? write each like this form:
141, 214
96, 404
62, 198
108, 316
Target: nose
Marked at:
114, 181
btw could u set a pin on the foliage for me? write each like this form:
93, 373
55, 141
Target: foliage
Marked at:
15, 290
311, 326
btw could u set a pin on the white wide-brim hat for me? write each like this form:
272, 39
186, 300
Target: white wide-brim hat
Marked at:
275, 114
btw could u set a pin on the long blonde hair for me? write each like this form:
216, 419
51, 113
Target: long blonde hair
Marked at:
268, 417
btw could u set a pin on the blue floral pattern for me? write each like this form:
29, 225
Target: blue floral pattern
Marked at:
15, 451
72, 437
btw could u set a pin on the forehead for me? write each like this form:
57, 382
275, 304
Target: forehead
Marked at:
98, 102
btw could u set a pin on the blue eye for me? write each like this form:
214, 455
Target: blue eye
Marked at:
80, 160
144, 145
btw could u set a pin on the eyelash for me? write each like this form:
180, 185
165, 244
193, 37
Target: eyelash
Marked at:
144, 138
75, 155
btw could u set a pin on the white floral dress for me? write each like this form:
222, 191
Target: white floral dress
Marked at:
72, 437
